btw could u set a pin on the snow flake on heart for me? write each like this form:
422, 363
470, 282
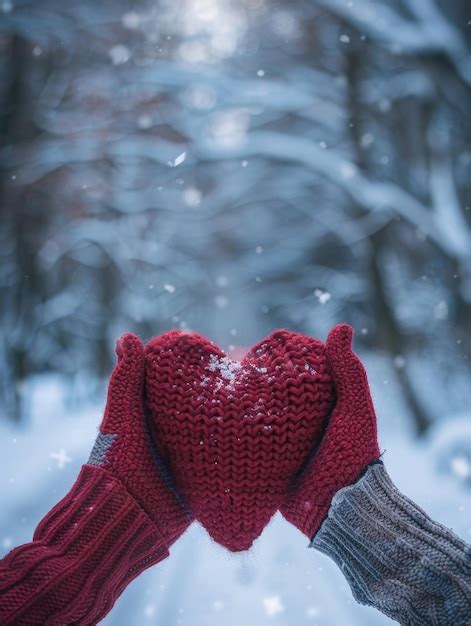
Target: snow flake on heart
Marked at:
226, 367
228, 371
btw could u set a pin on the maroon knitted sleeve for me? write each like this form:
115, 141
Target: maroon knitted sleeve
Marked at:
86, 550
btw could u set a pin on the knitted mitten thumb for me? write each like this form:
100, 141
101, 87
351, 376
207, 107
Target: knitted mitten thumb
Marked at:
349, 444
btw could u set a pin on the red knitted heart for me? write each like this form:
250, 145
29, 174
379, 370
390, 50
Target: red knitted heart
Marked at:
235, 434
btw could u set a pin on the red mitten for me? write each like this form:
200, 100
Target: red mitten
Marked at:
119, 518
349, 444
124, 446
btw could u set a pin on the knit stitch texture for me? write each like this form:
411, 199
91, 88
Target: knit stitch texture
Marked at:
120, 517
124, 445
349, 444
395, 557
92, 544
234, 434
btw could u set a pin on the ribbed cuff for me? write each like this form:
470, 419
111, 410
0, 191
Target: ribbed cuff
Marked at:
84, 553
394, 556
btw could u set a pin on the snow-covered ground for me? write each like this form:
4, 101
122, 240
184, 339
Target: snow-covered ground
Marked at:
279, 581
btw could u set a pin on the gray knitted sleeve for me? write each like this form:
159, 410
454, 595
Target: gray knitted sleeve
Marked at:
394, 556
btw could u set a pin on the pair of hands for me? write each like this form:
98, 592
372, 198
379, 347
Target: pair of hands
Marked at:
124, 446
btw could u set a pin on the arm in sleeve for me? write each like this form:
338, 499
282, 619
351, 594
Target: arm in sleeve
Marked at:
84, 553
395, 558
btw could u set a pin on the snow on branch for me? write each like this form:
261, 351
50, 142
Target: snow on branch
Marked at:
371, 195
429, 33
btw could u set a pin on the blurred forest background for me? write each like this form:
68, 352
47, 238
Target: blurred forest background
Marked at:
232, 167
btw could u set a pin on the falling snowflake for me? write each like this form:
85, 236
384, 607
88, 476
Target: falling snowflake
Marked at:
461, 466
131, 20
119, 54
222, 281
399, 362
61, 458
149, 610
347, 170
312, 611
179, 159
144, 121
322, 296
441, 310
366, 140
221, 302
192, 196
273, 605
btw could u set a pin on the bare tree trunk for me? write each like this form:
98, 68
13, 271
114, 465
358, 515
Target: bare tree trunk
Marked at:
389, 334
